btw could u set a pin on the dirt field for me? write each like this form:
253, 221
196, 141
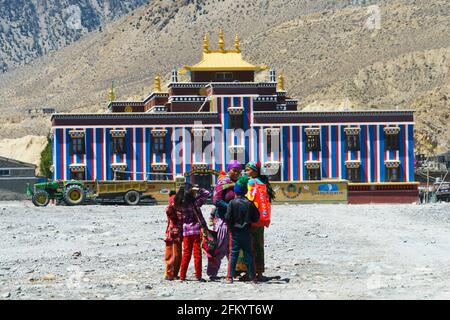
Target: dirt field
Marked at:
317, 251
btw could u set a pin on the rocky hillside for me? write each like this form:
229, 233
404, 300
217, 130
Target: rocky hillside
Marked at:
32, 28
394, 55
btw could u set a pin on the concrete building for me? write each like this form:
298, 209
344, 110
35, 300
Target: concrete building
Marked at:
14, 176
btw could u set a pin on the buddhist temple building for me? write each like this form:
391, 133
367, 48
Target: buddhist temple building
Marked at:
194, 128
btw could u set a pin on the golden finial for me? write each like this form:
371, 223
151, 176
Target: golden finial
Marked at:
111, 94
237, 44
221, 42
205, 44
280, 83
157, 84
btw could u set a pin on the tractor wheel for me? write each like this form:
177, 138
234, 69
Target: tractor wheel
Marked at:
74, 195
40, 198
132, 198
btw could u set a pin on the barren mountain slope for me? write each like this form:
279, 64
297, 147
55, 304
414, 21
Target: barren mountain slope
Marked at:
327, 51
32, 28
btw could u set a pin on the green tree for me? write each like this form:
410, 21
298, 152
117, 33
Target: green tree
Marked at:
46, 160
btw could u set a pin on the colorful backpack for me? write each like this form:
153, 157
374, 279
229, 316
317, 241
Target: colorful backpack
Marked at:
208, 238
209, 242
257, 192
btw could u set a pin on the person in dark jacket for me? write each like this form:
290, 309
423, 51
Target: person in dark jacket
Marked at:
241, 213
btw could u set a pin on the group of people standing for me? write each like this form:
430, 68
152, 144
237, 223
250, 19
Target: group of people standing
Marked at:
232, 219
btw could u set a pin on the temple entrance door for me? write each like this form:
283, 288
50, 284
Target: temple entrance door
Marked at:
203, 180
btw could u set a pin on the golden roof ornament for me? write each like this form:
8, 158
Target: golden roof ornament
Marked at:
280, 83
237, 44
157, 84
221, 59
221, 41
111, 93
205, 44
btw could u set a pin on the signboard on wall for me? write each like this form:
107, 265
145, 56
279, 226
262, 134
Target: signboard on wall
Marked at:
332, 191
202, 172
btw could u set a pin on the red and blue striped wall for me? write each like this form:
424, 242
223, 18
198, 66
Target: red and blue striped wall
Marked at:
293, 155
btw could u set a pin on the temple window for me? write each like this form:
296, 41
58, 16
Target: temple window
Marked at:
273, 170
392, 175
354, 174
118, 175
77, 143
77, 175
312, 143
312, 139
118, 145
235, 121
157, 176
272, 139
197, 135
353, 170
392, 170
352, 139
202, 180
269, 144
118, 141
205, 144
276, 176
224, 76
391, 138
158, 145
313, 174
313, 171
77, 146
158, 171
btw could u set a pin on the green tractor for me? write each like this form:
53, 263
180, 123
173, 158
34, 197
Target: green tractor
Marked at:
71, 192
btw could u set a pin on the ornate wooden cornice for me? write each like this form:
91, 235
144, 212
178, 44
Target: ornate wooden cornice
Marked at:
159, 167
312, 131
352, 131
392, 163
312, 164
77, 167
77, 133
158, 132
353, 164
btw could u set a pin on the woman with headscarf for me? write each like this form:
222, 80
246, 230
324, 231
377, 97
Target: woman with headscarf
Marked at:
253, 171
222, 195
189, 199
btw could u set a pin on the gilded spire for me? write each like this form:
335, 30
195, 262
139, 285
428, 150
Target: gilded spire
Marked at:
237, 44
111, 93
280, 83
205, 44
221, 41
157, 84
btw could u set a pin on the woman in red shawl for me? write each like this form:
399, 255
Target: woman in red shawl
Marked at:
253, 171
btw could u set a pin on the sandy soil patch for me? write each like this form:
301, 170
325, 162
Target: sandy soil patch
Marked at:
317, 251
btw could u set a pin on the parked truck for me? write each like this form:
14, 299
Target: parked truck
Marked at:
442, 191
80, 192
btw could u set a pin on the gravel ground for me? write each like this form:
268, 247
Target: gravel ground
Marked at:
312, 252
